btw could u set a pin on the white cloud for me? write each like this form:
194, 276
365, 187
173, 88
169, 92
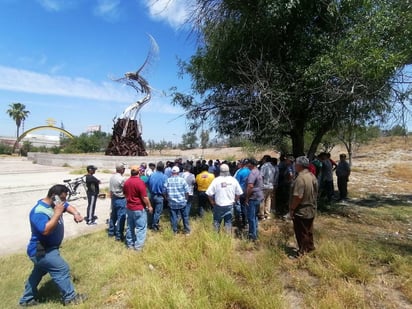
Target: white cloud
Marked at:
175, 12
108, 9
162, 104
56, 5
50, 5
16, 80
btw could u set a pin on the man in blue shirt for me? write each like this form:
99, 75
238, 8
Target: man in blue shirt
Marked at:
241, 176
157, 193
47, 230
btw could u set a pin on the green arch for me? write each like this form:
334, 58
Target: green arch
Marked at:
23, 135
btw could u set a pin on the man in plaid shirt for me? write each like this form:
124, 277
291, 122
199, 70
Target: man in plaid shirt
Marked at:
177, 192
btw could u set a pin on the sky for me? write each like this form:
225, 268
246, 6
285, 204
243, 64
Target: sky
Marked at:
59, 58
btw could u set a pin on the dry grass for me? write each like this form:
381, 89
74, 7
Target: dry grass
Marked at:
362, 258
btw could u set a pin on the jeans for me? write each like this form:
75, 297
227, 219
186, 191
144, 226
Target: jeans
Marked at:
59, 271
252, 212
222, 213
117, 218
203, 202
175, 213
137, 227
157, 204
327, 188
343, 187
187, 208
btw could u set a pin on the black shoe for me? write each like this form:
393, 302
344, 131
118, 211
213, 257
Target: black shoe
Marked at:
29, 303
77, 300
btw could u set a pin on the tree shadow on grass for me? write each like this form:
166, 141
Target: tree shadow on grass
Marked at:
49, 292
404, 200
402, 247
371, 201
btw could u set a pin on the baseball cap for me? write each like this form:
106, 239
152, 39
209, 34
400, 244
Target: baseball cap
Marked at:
175, 169
135, 168
91, 167
302, 160
120, 165
253, 162
224, 168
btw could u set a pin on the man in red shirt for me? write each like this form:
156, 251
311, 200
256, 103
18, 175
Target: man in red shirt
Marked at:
137, 204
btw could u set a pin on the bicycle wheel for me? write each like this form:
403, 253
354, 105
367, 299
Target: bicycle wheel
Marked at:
69, 194
79, 191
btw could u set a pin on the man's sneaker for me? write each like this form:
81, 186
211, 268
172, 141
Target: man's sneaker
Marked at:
91, 223
77, 300
287, 217
29, 303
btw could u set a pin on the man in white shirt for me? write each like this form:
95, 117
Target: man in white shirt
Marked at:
118, 206
223, 192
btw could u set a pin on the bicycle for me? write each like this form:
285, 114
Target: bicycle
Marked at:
77, 188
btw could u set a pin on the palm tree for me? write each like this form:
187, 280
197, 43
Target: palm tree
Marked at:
18, 113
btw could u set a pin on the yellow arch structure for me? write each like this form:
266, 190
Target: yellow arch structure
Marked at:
23, 135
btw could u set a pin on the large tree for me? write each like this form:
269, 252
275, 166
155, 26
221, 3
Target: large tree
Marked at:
18, 113
276, 69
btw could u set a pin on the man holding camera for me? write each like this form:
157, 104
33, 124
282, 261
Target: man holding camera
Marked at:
47, 228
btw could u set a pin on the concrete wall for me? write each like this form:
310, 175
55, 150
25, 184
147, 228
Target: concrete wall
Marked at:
100, 161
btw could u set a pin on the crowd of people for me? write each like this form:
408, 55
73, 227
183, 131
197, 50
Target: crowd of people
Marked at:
242, 193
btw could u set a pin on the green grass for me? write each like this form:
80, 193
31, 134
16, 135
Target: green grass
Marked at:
82, 171
360, 262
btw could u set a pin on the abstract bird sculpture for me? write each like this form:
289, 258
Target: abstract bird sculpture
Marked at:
126, 139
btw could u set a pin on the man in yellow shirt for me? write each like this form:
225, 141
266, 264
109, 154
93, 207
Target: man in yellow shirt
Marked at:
203, 180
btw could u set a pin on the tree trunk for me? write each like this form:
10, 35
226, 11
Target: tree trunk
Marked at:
315, 144
298, 141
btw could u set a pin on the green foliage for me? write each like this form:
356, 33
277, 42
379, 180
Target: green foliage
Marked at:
282, 68
161, 146
87, 143
252, 149
5, 149
189, 140
27, 147
397, 130
18, 113
56, 150
204, 139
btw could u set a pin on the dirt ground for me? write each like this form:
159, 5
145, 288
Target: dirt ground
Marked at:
22, 184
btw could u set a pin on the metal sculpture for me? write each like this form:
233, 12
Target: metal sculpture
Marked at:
127, 131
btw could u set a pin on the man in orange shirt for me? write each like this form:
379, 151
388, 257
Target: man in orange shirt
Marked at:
203, 180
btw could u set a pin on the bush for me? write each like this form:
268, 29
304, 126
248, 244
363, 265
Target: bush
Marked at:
5, 149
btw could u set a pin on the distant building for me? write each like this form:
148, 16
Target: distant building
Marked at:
38, 140
94, 128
